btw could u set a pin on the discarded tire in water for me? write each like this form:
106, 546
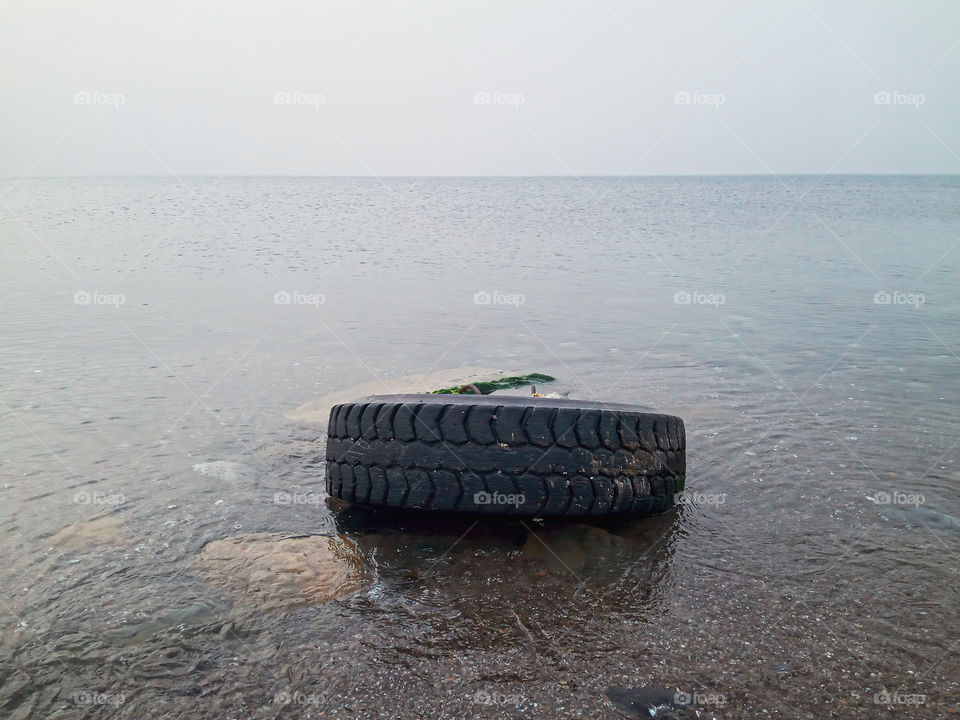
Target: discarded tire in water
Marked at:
507, 455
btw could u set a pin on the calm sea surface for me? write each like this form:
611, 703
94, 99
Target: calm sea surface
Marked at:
157, 337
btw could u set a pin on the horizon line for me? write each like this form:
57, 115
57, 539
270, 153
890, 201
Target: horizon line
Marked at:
465, 177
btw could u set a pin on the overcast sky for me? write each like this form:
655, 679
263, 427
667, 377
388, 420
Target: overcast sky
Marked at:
424, 87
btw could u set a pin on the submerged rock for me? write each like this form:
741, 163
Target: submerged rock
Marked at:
571, 547
646, 701
221, 469
273, 570
196, 614
921, 516
106, 530
291, 449
589, 552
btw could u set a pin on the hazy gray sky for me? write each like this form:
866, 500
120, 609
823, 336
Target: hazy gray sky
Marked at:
414, 87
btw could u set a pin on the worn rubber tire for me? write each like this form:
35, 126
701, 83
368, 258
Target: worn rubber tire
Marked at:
510, 455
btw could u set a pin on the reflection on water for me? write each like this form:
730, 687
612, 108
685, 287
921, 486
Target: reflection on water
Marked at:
169, 549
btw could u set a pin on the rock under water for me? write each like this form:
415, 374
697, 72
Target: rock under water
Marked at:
105, 530
197, 614
274, 570
646, 701
221, 469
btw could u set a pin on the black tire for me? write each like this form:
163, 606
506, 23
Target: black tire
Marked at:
510, 455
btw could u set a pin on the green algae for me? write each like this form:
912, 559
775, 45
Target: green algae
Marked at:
507, 383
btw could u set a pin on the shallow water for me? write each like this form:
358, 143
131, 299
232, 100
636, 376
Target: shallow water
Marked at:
814, 570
